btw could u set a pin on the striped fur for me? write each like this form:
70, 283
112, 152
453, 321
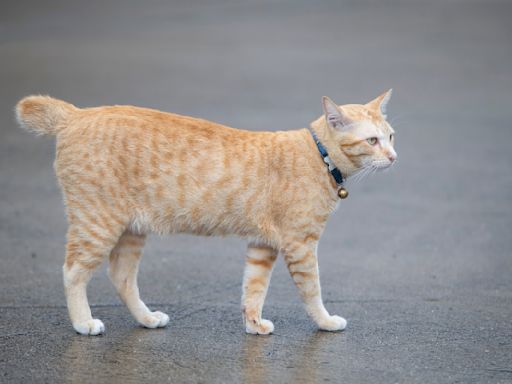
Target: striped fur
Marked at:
127, 171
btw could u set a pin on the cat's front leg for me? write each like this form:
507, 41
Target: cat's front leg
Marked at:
302, 262
258, 269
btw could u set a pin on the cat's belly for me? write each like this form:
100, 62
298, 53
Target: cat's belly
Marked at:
196, 221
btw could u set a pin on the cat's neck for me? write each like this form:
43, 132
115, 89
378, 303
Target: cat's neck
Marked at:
340, 160
296, 154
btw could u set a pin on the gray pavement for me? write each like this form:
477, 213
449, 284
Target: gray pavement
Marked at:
419, 259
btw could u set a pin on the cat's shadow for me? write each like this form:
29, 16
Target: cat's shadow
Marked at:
128, 357
119, 359
268, 359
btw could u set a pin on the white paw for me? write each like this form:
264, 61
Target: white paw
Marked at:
155, 319
91, 327
263, 327
333, 323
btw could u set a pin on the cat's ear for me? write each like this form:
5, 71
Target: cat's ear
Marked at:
334, 115
380, 103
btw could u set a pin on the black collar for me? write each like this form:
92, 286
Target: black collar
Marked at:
335, 172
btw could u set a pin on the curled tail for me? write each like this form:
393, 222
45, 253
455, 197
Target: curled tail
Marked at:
43, 115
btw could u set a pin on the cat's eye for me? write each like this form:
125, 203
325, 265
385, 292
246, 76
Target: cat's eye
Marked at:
391, 137
372, 140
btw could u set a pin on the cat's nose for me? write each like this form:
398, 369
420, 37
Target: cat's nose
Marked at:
392, 157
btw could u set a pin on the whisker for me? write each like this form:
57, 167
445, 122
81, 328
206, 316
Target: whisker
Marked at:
356, 175
362, 173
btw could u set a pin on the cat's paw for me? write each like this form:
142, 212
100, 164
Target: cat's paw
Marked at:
333, 324
91, 327
263, 327
155, 319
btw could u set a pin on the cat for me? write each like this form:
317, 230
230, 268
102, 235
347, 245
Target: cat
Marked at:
126, 171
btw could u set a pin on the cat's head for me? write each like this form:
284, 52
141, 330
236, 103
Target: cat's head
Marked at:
357, 136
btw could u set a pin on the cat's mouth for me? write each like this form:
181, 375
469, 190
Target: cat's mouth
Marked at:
380, 165
372, 167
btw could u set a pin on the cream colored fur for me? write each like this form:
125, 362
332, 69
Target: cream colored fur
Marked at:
127, 171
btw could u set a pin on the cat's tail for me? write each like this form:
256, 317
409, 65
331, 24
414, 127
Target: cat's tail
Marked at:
43, 115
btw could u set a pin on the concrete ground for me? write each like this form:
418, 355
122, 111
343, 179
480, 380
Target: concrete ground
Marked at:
419, 259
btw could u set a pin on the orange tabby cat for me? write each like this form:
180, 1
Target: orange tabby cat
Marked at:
127, 171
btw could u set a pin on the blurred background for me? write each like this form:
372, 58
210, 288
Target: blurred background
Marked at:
418, 259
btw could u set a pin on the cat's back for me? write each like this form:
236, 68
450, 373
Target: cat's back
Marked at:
145, 121
74, 126
128, 132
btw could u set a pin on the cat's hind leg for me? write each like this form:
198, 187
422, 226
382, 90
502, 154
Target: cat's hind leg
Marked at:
258, 269
86, 248
124, 266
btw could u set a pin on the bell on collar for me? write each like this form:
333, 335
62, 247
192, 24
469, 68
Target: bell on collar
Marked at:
342, 193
